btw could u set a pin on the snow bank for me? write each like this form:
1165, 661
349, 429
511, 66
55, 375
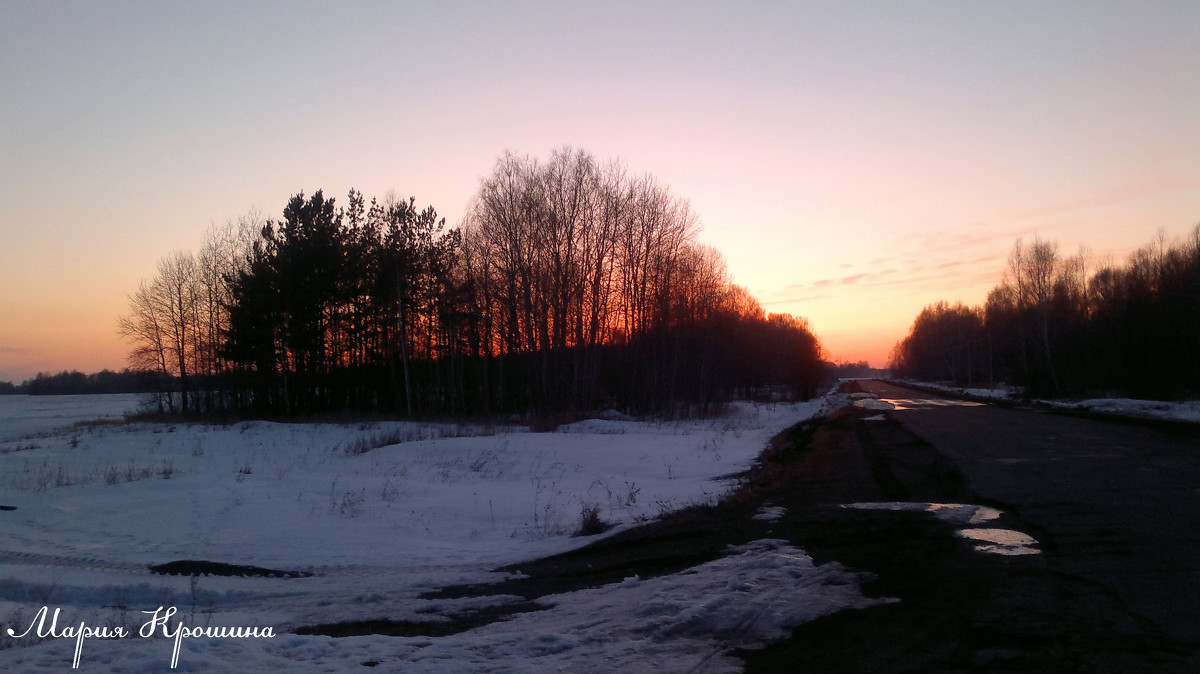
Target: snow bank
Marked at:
1148, 409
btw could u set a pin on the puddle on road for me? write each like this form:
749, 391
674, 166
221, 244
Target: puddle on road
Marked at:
1001, 541
991, 541
960, 514
874, 405
868, 401
926, 403
769, 513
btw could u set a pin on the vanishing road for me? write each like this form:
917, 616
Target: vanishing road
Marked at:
1118, 504
1114, 507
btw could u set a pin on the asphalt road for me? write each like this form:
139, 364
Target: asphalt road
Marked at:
1114, 506
1115, 503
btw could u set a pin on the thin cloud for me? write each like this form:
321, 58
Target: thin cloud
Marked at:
922, 277
1110, 196
792, 299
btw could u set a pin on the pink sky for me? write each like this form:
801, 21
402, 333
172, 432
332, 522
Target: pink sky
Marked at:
853, 161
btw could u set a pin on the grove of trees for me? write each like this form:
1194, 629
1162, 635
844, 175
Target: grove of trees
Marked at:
1056, 329
569, 285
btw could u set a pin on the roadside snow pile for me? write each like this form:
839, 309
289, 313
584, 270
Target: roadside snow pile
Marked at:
1149, 409
999, 392
679, 623
378, 513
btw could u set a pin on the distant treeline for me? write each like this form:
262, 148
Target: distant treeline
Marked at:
78, 383
1056, 329
569, 285
860, 370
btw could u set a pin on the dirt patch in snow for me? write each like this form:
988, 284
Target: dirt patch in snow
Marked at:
194, 567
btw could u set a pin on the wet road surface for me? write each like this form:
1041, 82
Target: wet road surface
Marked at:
1117, 504
1114, 508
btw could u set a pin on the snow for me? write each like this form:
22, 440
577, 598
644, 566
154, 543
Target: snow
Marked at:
1148, 409
998, 392
378, 513
22, 415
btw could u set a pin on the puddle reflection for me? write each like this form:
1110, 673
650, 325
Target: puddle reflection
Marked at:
925, 403
867, 401
1001, 541
991, 541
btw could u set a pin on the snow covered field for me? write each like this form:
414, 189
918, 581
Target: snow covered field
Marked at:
373, 515
30, 415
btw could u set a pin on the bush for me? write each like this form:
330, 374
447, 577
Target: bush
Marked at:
590, 523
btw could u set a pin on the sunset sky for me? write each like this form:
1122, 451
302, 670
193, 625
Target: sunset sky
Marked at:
853, 161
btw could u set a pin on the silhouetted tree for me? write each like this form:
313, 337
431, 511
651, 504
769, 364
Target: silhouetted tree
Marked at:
1054, 329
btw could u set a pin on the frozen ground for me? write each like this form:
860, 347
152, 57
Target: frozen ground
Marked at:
373, 515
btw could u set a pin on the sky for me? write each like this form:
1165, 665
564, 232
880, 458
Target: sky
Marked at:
853, 161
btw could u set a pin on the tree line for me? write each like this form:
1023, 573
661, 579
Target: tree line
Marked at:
569, 285
1057, 329
74, 382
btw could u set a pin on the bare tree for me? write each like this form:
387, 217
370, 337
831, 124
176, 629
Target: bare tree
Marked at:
146, 327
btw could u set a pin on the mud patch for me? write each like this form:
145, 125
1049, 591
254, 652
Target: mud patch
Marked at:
192, 567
